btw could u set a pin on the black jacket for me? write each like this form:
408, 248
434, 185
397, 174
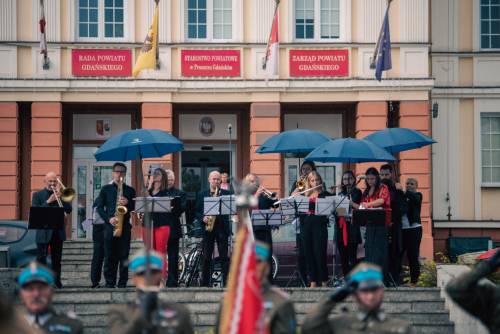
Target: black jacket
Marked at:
414, 203
106, 202
222, 225
398, 202
39, 199
171, 219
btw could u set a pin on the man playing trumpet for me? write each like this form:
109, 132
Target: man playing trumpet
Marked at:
50, 196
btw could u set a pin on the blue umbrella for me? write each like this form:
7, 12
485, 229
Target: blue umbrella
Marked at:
349, 150
293, 141
138, 144
396, 140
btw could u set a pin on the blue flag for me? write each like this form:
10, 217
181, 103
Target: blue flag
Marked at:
384, 62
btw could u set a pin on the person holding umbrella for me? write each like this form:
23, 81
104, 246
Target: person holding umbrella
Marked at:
116, 249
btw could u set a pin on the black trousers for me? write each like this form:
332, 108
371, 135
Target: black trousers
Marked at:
315, 237
376, 246
56, 247
173, 262
348, 255
301, 258
265, 235
97, 254
395, 252
116, 252
209, 240
411, 246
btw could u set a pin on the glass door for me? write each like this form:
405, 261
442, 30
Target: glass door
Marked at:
330, 173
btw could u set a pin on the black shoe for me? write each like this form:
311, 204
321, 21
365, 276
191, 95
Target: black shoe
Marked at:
121, 286
109, 286
95, 286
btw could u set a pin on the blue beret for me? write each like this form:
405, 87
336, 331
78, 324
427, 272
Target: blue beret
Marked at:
35, 272
138, 261
367, 275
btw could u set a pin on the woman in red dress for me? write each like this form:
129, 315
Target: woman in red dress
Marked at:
376, 195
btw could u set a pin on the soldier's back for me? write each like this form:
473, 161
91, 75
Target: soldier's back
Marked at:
351, 323
279, 311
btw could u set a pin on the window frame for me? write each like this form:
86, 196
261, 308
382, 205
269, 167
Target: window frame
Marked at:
101, 24
344, 19
479, 25
210, 23
492, 183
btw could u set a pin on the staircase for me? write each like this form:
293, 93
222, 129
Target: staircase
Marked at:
423, 307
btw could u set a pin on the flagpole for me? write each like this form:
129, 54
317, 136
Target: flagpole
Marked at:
377, 46
158, 39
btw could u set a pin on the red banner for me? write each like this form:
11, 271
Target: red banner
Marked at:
319, 63
210, 63
101, 62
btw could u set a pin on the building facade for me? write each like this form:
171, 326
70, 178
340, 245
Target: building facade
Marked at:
210, 76
466, 160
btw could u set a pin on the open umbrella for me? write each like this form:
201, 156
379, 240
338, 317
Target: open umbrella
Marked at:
396, 140
349, 150
293, 141
138, 144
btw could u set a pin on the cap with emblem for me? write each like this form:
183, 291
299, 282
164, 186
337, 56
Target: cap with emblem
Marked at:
262, 251
138, 261
35, 272
367, 276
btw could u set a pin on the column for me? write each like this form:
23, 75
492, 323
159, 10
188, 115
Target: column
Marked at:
157, 116
417, 164
9, 171
371, 116
265, 121
46, 141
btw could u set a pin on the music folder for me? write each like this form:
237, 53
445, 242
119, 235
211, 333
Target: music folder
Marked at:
46, 218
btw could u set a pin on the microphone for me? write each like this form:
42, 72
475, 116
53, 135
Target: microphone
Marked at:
229, 127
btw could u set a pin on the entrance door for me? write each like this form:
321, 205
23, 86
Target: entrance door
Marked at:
89, 177
196, 163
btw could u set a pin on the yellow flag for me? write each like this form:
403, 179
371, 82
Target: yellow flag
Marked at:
149, 51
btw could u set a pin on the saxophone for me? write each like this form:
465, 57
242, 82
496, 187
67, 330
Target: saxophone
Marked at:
209, 227
120, 211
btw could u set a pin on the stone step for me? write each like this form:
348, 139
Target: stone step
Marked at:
88, 244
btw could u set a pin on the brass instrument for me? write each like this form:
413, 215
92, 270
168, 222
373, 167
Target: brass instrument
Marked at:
300, 185
209, 227
269, 194
58, 199
67, 194
120, 211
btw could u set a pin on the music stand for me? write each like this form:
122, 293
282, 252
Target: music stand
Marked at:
325, 206
266, 218
46, 218
150, 204
227, 205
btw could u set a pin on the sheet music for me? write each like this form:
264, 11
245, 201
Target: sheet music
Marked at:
342, 203
211, 206
153, 204
266, 217
288, 205
227, 200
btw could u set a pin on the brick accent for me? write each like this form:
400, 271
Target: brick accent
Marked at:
9, 180
370, 117
265, 121
46, 141
417, 164
157, 116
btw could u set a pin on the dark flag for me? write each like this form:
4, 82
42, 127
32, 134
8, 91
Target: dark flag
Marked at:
384, 62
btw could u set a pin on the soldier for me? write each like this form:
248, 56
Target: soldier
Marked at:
366, 283
148, 314
36, 282
480, 300
280, 313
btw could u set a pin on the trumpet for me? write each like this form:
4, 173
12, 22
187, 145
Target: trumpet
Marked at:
269, 194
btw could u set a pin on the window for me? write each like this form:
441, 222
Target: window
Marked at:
490, 148
317, 19
209, 19
490, 24
100, 19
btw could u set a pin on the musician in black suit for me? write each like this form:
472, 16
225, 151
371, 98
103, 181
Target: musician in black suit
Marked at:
220, 233
265, 202
116, 249
173, 218
48, 197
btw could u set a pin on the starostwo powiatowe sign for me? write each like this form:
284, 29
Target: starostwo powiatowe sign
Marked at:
319, 63
210, 63
101, 62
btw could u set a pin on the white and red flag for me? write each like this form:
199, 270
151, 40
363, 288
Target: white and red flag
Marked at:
243, 308
43, 38
271, 60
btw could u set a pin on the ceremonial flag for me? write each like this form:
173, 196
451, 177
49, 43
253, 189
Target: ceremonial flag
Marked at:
382, 54
43, 38
271, 61
243, 311
149, 53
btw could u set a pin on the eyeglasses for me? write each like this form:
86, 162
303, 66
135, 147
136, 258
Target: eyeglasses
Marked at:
121, 171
